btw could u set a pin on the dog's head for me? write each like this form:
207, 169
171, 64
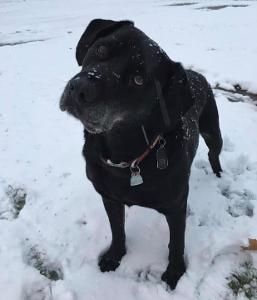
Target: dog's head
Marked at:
117, 83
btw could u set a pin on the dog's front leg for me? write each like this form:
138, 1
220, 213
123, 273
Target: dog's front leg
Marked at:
176, 267
110, 259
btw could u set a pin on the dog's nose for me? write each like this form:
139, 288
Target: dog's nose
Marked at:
78, 88
82, 88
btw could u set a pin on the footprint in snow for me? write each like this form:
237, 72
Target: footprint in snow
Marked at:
39, 290
44, 290
149, 275
240, 207
12, 200
241, 165
38, 259
239, 203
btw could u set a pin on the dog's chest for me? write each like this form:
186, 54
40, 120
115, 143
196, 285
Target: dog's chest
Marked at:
116, 184
158, 188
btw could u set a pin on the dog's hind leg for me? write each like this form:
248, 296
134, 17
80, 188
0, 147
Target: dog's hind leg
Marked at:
210, 131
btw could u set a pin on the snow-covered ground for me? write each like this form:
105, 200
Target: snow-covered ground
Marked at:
52, 220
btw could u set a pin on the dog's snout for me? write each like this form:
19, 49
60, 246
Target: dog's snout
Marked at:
83, 88
74, 86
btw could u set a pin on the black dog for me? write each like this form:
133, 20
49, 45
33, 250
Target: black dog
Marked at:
142, 115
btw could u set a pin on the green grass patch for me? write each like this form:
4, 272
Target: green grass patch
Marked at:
244, 281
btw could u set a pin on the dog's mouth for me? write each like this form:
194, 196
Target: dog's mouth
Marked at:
95, 120
94, 129
106, 124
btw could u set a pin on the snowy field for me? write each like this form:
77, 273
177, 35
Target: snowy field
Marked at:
52, 222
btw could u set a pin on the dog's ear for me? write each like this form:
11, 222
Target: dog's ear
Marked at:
179, 96
96, 28
174, 98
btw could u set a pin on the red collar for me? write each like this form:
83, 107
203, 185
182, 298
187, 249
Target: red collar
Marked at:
133, 164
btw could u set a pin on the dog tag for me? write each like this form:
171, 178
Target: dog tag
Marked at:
161, 157
136, 179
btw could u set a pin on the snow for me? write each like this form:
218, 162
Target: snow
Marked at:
63, 224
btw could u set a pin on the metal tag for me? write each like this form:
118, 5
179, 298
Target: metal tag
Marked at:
162, 159
136, 179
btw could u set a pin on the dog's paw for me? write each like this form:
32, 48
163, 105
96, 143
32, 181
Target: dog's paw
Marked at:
173, 273
110, 260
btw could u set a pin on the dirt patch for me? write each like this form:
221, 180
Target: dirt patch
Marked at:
20, 43
237, 92
181, 4
218, 7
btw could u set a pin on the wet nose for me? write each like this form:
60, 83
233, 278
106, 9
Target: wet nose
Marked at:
83, 87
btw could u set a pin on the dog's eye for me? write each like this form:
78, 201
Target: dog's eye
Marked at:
139, 80
102, 52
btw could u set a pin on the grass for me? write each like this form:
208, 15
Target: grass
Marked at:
244, 281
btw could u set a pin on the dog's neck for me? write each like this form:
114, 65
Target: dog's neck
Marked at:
126, 144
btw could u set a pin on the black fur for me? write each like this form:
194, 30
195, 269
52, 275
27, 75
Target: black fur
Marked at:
105, 97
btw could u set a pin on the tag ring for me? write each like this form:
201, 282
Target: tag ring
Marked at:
134, 168
162, 142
